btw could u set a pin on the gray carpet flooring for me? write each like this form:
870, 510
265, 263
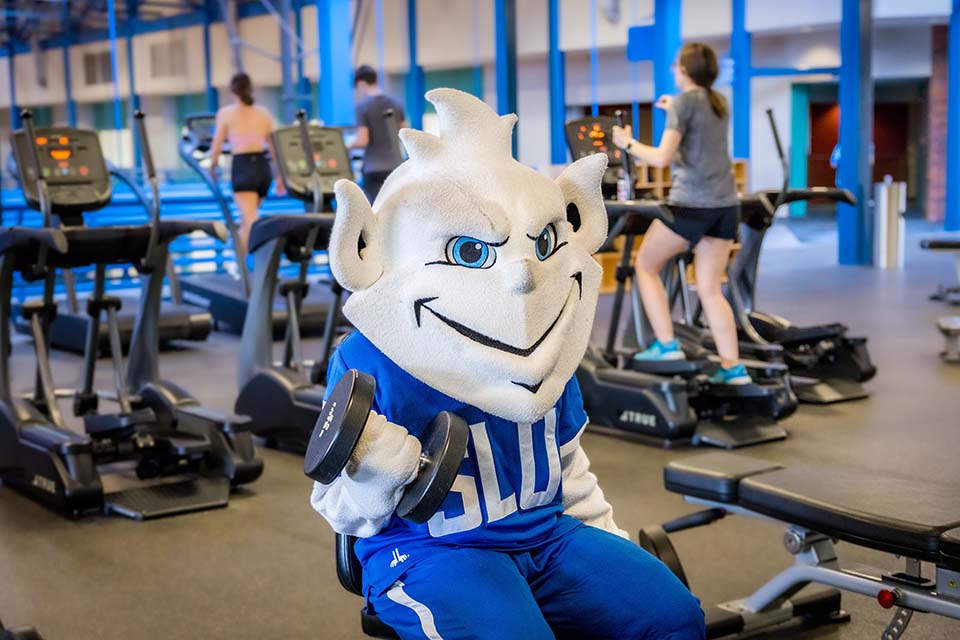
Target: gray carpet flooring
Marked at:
264, 566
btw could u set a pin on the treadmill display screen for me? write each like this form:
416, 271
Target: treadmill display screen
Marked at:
199, 129
588, 136
329, 155
72, 163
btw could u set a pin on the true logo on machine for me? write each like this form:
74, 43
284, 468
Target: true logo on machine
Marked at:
45, 484
638, 418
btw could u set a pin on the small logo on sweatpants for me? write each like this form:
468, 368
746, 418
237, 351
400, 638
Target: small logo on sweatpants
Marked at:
398, 558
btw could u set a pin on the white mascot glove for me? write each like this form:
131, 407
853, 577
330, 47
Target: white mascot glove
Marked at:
582, 497
361, 501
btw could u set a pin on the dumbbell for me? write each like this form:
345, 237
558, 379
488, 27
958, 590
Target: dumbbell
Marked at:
338, 429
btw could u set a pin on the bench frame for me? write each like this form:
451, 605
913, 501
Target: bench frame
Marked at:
816, 561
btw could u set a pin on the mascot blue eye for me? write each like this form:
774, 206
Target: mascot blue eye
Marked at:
546, 242
471, 253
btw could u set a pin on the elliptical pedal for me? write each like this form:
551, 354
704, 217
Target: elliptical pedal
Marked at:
168, 499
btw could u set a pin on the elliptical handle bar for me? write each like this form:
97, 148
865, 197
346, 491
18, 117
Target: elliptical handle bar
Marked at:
307, 147
40, 268
784, 163
146, 264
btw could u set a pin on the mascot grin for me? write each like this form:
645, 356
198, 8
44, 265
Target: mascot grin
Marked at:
471, 271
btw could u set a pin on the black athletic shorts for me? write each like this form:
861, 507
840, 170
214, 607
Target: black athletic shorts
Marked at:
251, 172
693, 223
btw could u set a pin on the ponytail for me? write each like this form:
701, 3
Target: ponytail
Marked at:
242, 87
699, 62
717, 102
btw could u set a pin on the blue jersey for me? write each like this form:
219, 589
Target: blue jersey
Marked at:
507, 495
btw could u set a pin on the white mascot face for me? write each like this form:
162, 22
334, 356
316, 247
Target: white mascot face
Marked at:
471, 271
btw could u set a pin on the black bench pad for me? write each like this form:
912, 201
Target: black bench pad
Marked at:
941, 244
713, 476
888, 514
950, 548
899, 516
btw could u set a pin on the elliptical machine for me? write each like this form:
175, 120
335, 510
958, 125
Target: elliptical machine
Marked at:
284, 399
127, 462
825, 363
730, 416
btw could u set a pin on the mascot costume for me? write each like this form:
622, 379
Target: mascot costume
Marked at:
474, 291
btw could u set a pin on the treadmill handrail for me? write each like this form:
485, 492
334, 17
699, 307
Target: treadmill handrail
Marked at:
27, 116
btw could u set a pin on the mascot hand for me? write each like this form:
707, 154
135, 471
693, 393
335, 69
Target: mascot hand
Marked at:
385, 460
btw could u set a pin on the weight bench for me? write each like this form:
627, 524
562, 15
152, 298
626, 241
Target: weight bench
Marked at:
820, 505
949, 294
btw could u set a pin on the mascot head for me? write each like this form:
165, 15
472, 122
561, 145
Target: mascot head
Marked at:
471, 271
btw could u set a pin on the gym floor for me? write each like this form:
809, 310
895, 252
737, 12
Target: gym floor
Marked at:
264, 566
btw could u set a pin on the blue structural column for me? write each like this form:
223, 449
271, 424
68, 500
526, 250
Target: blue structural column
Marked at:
303, 84
799, 142
213, 98
132, 6
67, 79
11, 24
558, 95
856, 130
594, 61
336, 72
115, 69
505, 17
952, 216
416, 83
666, 43
741, 52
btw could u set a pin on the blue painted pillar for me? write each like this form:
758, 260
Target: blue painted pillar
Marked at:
952, 218
11, 24
132, 7
741, 52
856, 131
558, 92
666, 43
115, 70
505, 17
67, 79
336, 70
416, 83
213, 98
303, 83
594, 61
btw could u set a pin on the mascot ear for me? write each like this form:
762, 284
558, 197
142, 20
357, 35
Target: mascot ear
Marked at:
355, 257
580, 183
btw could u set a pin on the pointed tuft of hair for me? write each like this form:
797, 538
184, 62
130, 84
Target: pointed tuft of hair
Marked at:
466, 122
420, 145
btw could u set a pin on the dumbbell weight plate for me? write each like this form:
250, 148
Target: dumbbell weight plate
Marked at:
443, 447
339, 426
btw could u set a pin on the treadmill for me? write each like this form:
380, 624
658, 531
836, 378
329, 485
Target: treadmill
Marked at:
224, 295
69, 329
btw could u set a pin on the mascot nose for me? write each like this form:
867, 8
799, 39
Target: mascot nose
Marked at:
522, 276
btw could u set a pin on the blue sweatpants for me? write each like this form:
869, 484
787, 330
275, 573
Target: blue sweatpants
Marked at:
587, 583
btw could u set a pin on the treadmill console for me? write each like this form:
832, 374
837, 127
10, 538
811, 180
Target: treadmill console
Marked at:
198, 132
587, 136
329, 155
73, 165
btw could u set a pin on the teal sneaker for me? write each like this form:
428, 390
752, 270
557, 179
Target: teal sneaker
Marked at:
661, 351
735, 375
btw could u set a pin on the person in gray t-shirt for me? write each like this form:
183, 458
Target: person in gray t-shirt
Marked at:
379, 117
704, 202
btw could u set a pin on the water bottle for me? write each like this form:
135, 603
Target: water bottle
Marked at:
623, 185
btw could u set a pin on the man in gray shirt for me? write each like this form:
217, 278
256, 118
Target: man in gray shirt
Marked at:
379, 117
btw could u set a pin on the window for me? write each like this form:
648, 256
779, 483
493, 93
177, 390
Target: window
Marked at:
97, 68
168, 59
